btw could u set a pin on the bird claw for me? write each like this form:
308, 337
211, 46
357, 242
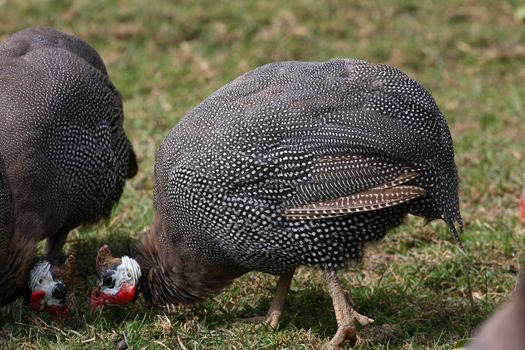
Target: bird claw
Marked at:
170, 309
345, 314
271, 320
275, 311
344, 333
348, 331
362, 319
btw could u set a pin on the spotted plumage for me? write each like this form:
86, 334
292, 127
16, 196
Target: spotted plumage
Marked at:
65, 150
296, 140
16, 253
294, 163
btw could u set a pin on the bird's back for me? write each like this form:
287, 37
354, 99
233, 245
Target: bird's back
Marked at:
35, 38
295, 135
65, 149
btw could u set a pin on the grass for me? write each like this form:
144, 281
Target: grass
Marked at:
166, 57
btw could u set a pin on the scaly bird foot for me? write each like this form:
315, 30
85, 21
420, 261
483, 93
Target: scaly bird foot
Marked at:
270, 320
348, 331
276, 308
346, 316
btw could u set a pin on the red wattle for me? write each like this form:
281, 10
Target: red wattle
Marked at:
97, 300
35, 302
36, 299
125, 295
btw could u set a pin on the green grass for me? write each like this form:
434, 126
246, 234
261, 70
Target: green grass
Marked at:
165, 58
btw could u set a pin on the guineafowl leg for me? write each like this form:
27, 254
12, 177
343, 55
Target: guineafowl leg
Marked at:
344, 313
276, 308
55, 244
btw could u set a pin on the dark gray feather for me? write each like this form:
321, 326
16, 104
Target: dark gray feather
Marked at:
311, 140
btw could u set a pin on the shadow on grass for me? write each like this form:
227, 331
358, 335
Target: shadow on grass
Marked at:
422, 315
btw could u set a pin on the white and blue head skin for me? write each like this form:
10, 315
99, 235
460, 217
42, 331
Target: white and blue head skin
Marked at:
118, 279
41, 279
128, 271
48, 285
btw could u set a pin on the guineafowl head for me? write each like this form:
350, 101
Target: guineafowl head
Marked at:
48, 286
118, 280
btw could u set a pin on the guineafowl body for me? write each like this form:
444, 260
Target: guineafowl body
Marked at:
62, 138
294, 163
246, 179
13, 271
5, 212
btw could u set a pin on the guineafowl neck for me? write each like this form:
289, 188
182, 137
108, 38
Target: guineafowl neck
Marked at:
15, 263
170, 275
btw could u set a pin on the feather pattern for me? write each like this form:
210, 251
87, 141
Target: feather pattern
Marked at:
62, 140
298, 163
16, 252
65, 150
379, 197
373, 199
6, 215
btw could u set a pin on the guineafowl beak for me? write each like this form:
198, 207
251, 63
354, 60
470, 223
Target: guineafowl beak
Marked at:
97, 301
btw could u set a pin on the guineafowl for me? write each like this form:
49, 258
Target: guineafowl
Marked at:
65, 151
293, 163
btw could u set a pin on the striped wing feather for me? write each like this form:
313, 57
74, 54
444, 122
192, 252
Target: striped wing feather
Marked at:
379, 197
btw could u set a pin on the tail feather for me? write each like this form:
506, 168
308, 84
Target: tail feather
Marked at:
132, 164
456, 229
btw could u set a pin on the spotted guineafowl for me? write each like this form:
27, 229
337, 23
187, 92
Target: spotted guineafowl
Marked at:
65, 151
294, 163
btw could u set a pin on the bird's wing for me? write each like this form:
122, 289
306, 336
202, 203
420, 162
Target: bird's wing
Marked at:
358, 164
379, 197
299, 134
338, 166
351, 183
